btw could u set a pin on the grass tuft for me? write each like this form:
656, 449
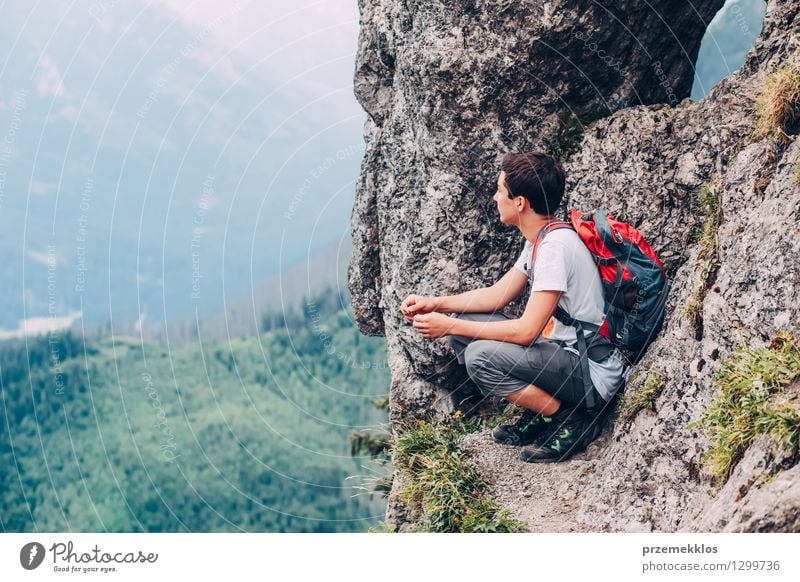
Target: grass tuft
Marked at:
749, 404
383, 527
374, 444
443, 489
644, 397
706, 239
778, 105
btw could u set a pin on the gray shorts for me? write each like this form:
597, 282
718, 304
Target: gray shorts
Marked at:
502, 368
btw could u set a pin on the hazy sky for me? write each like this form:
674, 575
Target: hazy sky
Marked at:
169, 112
288, 37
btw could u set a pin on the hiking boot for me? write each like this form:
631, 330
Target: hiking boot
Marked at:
523, 432
572, 431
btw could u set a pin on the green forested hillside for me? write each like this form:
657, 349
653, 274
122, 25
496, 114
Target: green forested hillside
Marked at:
250, 435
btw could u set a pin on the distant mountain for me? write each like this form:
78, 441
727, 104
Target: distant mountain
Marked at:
243, 315
144, 168
251, 435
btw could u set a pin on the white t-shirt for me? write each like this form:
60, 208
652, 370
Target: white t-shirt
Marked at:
563, 263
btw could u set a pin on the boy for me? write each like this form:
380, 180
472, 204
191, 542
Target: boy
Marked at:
532, 361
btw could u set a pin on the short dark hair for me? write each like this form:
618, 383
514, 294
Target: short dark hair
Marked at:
536, 176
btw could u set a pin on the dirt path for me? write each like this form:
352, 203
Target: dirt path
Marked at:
545, 495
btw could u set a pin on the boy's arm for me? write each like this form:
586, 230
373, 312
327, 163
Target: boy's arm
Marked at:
523, 331
488, 299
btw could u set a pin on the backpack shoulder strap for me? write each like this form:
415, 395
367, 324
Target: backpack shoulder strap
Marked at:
593, 402
565, 318
548, 228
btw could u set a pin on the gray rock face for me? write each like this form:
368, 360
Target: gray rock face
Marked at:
450, 88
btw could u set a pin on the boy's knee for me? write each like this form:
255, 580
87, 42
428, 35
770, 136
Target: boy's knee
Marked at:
477, 354
481, 364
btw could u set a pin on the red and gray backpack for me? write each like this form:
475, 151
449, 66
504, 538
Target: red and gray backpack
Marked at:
635, 290
635, 286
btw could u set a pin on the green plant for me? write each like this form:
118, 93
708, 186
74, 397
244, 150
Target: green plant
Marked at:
370, 443
749, 404
706, 239
692, 311
644, 397
383, 527
566, 138
441, 486
380, 403
778, 104
671, 268
503, 417
377, 445
710, 199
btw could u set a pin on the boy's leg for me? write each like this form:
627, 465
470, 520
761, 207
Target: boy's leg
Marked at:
544, 378
534, 398
537, 377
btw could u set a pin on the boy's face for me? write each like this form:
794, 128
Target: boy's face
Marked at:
509, 208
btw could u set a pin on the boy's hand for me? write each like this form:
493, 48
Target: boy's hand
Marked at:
433, 325
417, 305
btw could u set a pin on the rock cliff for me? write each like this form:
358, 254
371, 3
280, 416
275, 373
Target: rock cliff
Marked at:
450, 87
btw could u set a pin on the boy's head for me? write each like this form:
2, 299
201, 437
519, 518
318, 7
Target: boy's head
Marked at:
535, 176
